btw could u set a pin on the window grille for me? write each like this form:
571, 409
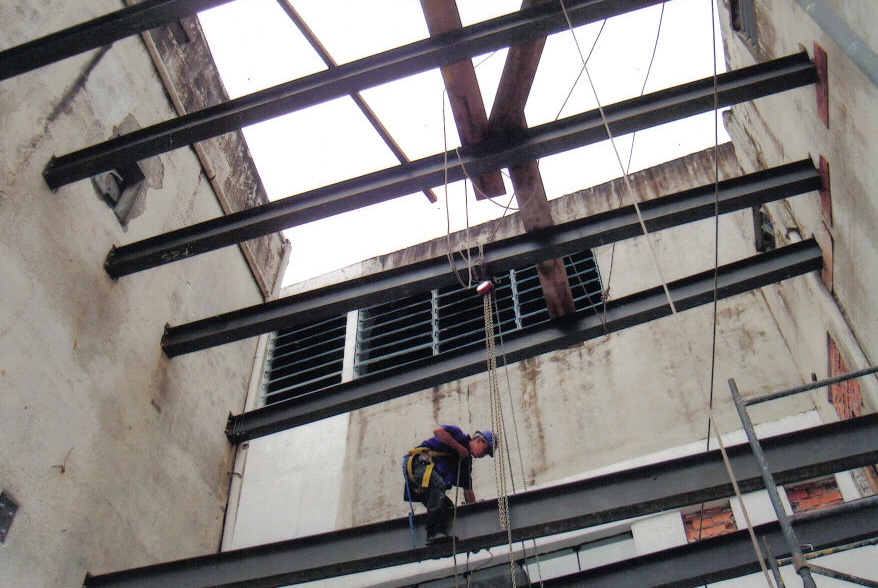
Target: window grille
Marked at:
304, 359
396, 333
450, 320
743, 16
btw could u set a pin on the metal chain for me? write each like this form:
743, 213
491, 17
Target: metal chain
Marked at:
497, 428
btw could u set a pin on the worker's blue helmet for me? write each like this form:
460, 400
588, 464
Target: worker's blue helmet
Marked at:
488, 436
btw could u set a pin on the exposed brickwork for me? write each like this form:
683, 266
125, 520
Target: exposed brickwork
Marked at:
822, 85
844, 396
847, 399
714, 522
814, 495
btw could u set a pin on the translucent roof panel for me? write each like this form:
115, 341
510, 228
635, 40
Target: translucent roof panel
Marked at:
256, 46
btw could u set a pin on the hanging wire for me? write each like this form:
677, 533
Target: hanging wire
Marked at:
497, 428
711, 420
633, 137
515, 431
466, 257
582, 69
740, 498
619, 160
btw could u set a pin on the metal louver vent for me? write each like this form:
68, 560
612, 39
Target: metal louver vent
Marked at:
450, 320
305, 358
396, 333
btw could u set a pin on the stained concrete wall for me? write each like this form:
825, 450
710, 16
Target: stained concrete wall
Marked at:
644, 391
787, 127
115, 453
603, 402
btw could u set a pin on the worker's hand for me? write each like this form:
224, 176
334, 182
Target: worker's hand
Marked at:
469, 496
462, 451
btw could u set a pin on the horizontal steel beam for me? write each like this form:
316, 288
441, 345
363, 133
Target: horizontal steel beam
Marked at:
613, 497
555, 137
729, 556
326, 85
356, 96
499, 256
734, 278
99, 32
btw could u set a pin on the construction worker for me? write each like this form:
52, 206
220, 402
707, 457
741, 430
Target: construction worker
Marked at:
439, 463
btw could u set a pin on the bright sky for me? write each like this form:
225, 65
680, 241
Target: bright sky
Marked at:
256, 46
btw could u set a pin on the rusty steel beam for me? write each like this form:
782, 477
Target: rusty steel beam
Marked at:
734, 278
320, 87
732, 555
499, 256
464, 95
356, 96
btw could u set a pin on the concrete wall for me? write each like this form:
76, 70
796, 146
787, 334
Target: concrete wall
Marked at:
115, 453
643, 391
604, 402
787, 127
608, 400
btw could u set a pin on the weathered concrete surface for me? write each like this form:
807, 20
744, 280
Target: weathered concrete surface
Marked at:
115, 453
645, 390
779, 129
604, 402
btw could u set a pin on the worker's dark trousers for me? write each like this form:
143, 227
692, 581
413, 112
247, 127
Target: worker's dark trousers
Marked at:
438, 505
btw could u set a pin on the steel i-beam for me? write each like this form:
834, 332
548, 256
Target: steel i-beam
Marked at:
499, 257
547, 139
346, 79
728, 556
539, 513
734, 278
99, 32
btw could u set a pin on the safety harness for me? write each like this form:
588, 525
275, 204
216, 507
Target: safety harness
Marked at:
409, 466
415, 488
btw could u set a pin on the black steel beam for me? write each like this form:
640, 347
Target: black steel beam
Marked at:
728, 556
356, 96
499, 256
555, 137
535, 22
96, 33
734, 278
654, 488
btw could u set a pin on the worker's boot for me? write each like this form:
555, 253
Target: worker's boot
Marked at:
438, 527
434, 527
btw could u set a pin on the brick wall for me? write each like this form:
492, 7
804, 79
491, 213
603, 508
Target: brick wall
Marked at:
847, 399
844, 396
711, 522
813, 495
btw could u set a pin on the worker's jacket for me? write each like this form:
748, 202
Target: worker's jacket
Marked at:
445, 460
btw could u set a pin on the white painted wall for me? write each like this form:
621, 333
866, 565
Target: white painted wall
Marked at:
292, 483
